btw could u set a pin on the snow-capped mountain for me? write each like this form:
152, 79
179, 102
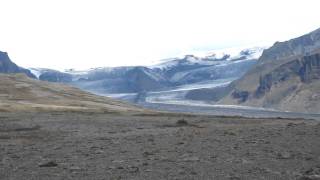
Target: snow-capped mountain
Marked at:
228, 63
216, 57
51, 75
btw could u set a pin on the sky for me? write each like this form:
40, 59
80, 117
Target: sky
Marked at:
83, 34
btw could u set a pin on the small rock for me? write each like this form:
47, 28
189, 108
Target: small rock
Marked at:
291, 124
180, 143
133, 169
284, 155
49, 164
181, 172
193, 173
111, 167
99, 152
120, 167
230, 133
234, 178
75, 168
308, 158
191, 159
182, 122
147, 153
118, 161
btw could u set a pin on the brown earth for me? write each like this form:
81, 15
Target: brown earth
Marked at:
77, 145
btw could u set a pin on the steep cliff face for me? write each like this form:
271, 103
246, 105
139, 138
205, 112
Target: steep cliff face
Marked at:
303, 70
293, 86
7, 66
310, 70
299, 46
286, 77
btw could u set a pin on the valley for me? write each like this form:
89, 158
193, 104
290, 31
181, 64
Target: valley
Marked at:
174, 100
253, 114
160, 90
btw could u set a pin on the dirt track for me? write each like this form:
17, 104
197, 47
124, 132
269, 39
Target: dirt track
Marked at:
116, 146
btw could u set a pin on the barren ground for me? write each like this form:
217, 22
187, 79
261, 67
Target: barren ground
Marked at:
136, 146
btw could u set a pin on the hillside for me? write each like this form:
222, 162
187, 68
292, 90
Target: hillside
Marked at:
286, 77
20, 93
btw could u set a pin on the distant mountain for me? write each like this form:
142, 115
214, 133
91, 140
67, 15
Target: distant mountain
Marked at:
7, 66
51, 75
286, 77
119, 80
168, 74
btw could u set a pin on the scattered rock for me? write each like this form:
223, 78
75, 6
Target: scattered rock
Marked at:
310, 177
311, 174
313, 171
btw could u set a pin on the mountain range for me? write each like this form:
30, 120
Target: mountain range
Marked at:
169, 74
286, 77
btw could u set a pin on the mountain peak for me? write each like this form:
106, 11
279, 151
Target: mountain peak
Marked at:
7, 66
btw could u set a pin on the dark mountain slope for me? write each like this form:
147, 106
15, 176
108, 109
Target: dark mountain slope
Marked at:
7, 66
286, 77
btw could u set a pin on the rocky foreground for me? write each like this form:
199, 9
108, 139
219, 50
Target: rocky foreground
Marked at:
160, 146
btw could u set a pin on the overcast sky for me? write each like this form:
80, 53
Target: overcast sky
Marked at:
90, 33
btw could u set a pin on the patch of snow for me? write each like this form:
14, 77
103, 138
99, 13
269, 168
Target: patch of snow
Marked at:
75, 72
215, 57
154, 76
36, 72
